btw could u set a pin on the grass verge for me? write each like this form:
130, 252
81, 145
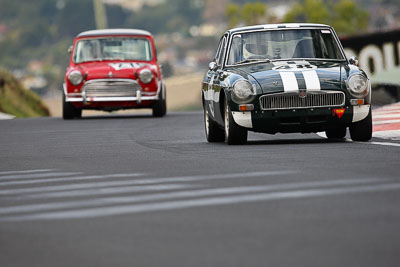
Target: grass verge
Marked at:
18, 101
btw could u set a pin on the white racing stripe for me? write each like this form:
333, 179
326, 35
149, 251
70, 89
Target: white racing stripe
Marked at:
289, 81
202, 202
311, 79
179, 194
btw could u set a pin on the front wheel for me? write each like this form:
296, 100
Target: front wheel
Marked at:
234, 134
69, 111
160, 108
213, 132
362, 130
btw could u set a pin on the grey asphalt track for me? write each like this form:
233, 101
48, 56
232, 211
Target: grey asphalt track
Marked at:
132, 190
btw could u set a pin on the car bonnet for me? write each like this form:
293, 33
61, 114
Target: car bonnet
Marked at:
285, 76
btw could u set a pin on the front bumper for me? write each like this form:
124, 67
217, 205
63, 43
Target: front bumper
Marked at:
137, 99
300, 120
112, 91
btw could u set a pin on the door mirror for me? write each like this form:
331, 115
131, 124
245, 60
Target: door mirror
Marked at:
212, 66
353, 61
69, 49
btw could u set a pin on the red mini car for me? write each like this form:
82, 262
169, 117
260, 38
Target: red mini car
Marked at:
113, 69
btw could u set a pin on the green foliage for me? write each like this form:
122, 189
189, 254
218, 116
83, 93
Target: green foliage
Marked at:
170, 16
345, 16
349, 17
248, 14
233, 14
18, 101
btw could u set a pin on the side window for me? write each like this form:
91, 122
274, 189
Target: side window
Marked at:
218, 50
221, 52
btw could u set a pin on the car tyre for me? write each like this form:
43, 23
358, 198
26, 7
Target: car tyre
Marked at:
336, 133
160, 108
362, 130
69, 111
213, 132
234, 134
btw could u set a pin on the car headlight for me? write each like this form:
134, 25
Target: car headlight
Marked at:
146, 76
358, 85
242, 92
75, 77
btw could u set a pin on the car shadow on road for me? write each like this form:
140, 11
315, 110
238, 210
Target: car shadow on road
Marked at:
295, 141
119, 116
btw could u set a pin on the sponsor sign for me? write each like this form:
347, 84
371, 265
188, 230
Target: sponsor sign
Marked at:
377, 52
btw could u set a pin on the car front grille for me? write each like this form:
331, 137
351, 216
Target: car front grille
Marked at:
312, 99
111, 88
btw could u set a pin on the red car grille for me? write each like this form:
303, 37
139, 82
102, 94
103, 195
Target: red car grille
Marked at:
111, 88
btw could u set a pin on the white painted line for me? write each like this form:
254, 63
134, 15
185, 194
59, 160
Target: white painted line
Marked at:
385, 144
4, 116
385, 116
37, 175
322, 134
388, 108
202, 202
154, 180
107, 191
392, 134
138, 182
25, 171
179, 194
385, 122
60, 188
69, 179
213, 177
379, 112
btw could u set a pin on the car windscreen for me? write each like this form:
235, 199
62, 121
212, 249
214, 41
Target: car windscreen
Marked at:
284, 44
115, 48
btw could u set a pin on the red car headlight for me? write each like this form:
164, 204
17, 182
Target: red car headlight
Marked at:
146, 76
75, 77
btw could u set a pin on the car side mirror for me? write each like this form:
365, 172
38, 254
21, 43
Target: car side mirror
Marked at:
69, 49
353, 61
212, 66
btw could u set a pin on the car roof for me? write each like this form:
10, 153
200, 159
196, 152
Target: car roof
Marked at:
278, 26
114, 32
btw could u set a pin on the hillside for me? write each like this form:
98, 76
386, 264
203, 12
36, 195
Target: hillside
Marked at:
16, 100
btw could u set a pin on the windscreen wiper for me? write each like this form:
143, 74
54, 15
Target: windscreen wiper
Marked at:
254, 60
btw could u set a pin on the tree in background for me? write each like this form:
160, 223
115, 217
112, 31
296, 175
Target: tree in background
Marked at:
308, 11
345, 16
248, 14
349, 18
